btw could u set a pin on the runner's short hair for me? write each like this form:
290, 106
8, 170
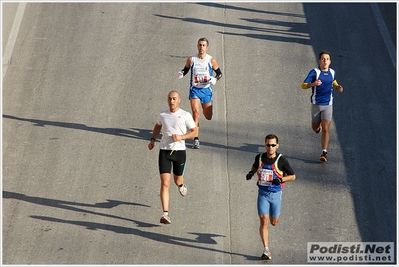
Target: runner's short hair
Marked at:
271, 136
324, 52
203, 39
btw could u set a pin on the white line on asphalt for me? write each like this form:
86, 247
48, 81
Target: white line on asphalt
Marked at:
13, 36
384, 32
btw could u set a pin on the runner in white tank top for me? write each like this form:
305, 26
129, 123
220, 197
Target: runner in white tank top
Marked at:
202, 67
201, 71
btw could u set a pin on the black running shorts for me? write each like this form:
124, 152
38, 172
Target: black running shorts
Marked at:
167, 158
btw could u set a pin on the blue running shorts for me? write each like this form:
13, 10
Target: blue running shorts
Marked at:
204, 94
269, 203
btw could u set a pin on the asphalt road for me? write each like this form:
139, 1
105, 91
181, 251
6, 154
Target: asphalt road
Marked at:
81, 92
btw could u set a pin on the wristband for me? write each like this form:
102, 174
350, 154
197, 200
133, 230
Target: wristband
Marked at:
218, 74
152, 139
185, 70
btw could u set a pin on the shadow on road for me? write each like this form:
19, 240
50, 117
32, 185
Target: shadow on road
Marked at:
69, 205
174, 240
362, 114
133, 133
295, 32
137, 133
201, 238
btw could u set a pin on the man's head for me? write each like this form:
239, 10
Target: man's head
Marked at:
324, 52
324, 59
202, 45
173, 100
203, 39
271, 143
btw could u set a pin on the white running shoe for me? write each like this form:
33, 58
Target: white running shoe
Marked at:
196, 144
183, 190
267, 255
165, 219
323, 156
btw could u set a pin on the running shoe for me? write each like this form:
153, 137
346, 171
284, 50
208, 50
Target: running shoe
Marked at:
318, 130
196, 144
165, 219
267, 255
323, 156
183, 190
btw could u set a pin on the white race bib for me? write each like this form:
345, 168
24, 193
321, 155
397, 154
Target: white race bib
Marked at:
266, 177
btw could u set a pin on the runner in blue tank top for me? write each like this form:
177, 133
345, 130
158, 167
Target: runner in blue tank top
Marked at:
322, 81
273, 171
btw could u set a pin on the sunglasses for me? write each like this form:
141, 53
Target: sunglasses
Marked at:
271, 145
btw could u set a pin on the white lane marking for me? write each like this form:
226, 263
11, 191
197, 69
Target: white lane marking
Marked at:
384, 32
13, 36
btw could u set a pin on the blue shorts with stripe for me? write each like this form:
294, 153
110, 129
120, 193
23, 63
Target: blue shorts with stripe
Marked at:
203, 94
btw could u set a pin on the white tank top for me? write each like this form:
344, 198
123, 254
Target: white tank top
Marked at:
201, 71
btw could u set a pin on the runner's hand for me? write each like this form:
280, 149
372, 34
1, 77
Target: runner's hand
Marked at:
249, 175
277, 181
213, 80
151, 145
180, 75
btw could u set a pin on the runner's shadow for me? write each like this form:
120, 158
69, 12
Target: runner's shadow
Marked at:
142, 134
68, 205
206, 238
251, 10
131, 133
158, 237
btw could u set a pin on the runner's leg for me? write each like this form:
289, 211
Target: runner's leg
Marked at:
195, 108
164, 192
325, 133
207, 110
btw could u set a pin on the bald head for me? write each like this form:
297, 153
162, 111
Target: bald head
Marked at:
174, 100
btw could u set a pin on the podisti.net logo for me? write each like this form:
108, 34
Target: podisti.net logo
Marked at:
351, 252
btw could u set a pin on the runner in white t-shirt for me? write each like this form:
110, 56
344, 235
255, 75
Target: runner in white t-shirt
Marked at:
174, 124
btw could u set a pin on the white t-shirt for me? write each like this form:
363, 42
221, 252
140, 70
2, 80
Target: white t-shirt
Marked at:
174, 123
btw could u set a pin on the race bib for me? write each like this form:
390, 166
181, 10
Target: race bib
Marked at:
201, 79
266, 177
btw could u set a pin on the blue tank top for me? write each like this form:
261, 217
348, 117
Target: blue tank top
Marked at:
267, 173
